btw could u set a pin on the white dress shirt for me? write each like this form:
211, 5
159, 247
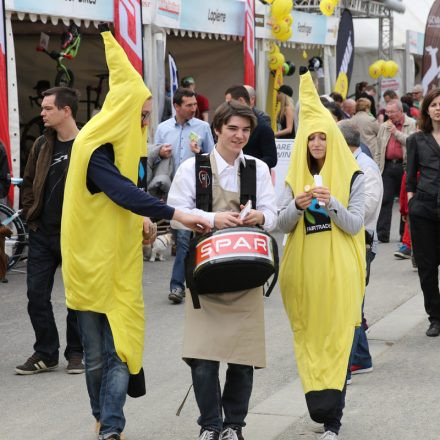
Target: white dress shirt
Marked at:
182, 193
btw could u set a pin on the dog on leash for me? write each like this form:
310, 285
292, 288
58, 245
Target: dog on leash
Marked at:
159, 247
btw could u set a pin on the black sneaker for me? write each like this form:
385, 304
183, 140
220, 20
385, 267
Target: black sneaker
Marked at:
35, 364
231, 434
75, 364
434, 329
177, 295
206, 434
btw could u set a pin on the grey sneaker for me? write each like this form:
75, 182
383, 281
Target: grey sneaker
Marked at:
35, 364
177, 295
206, 434
231, 434
75, 364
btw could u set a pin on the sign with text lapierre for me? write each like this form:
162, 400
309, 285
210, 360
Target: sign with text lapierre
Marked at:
284, 152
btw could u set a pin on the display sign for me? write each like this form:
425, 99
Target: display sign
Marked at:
415, 42
84, 9
430, 67
279, 173
128, 30
306, 28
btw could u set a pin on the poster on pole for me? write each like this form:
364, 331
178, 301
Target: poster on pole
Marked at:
344, 53
249, 43
4, 119
128, 30
430, 63
279, 173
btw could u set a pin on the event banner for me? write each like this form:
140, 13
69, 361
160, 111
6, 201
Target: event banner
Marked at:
174, 81
249, 43
4, 121
279, 173
128, 30
430, 66
344, 53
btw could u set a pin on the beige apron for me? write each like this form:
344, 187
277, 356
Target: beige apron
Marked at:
228, 327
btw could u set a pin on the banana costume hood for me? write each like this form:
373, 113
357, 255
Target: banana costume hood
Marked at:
101, 242
322, 276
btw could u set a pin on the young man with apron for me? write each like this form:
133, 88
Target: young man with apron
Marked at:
228, 327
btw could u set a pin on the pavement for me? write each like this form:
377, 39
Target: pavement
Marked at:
397, 401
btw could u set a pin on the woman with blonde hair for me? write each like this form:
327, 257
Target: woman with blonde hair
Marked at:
367, 124
286, 116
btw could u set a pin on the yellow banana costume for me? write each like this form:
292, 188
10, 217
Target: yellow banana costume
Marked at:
322, 276
101, 243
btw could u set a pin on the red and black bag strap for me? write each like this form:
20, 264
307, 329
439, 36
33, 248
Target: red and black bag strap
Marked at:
203, 182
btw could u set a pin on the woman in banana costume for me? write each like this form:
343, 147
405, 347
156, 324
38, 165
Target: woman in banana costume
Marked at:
322, 275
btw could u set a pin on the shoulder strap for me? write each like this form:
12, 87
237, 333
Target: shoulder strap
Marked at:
203, 182
248, 182
353, 177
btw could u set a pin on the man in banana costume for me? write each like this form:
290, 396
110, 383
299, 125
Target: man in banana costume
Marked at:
322, 275
101, 239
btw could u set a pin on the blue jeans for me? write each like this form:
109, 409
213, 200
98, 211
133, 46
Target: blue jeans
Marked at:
235, 399
182, 238
44, 257
106, 375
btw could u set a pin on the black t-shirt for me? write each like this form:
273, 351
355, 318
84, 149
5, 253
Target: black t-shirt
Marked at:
50, 218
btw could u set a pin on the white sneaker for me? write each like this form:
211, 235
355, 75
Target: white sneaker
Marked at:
228, 434
328, 435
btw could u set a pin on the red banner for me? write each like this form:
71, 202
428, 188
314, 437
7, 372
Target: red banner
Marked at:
249, 43
128, 30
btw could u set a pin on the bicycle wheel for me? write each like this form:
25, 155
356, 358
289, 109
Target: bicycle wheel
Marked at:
30, 131
64, 78
15, 246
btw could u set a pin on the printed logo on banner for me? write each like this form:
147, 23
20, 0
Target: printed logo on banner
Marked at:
128, 30
169, 8
249, 44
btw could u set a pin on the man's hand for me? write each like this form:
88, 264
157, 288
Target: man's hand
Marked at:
391, 126
303, 200
227, 219
253, 218
166, 150
195, 222
194, 147
149, 232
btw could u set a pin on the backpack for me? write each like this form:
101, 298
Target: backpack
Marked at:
230, 259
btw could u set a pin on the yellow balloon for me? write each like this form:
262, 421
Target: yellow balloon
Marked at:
375, 70
390, 69
273, 49
279, 28
327, 7
288, 19
286, 36
305, 55
281, 8
335, 2
381, 65
276, 61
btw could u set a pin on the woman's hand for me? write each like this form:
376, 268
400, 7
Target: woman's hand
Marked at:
227, 219
322, 194
303, 200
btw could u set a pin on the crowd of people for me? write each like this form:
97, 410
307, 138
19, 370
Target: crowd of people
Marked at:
347, 168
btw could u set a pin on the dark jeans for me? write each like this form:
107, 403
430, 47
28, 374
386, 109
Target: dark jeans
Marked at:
333, 423
44, 257
425, 237
234, 401
182, 238
106, 375
392, 179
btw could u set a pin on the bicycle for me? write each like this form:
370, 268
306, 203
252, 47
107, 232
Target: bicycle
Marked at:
16, 245
70, 42
98, 91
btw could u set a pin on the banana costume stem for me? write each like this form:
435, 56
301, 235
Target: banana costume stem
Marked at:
322, 276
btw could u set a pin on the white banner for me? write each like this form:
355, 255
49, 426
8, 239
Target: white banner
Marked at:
284, 152
174, 81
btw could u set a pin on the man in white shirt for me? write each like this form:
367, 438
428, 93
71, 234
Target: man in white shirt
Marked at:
181, 137
360, 359
228, 327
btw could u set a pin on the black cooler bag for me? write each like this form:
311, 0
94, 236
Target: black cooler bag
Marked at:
229, 260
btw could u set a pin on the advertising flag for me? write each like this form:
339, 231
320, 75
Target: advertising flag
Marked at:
4, 120
249, 43
430, 63
174, 80
344, 53
128, 30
